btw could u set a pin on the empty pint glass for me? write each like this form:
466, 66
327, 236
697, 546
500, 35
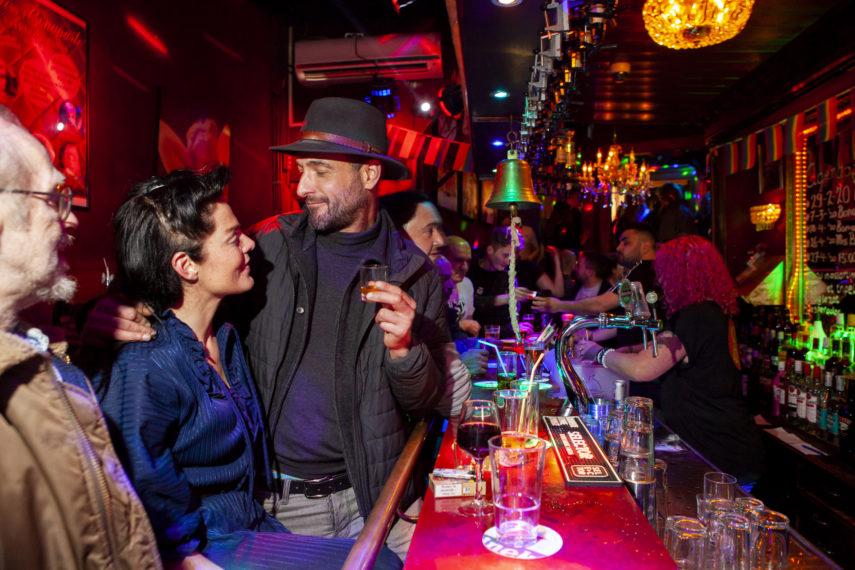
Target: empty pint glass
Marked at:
517, 482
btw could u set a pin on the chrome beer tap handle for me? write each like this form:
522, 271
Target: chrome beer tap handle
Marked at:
651, 299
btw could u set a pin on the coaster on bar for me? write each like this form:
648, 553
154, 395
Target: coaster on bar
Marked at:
548, 543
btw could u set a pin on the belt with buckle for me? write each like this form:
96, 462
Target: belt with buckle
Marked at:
320, 487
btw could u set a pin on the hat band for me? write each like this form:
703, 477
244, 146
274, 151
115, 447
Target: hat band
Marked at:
343, 141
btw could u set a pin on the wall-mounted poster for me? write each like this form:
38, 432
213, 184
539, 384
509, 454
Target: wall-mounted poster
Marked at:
446, 194
470, 195
204, 145
486, 192
43, 53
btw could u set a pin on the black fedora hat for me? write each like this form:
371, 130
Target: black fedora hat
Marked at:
335, 125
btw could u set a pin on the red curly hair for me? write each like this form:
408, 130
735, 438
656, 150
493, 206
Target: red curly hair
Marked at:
690, 270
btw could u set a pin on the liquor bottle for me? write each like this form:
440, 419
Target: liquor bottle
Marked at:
793, 381
764, 381
835, 408
779, 390
793, 391
825, 396
747, 365
847, 415
812, 389
834, 354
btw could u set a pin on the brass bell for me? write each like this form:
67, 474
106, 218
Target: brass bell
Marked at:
513, 187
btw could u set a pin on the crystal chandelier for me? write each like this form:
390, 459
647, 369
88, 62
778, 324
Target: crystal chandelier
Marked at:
687, 24
618, 179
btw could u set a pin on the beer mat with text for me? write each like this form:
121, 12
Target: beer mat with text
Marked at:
581, 459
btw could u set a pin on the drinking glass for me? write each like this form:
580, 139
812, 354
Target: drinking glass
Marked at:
532, 389
507, 368
371, 272
719, 485
492, 331
479, 421
769, 541
517, 482
638, 409
613, 433
513, 407
686, 541
732, 547
636, 452
660, 474
715, 508
533, 350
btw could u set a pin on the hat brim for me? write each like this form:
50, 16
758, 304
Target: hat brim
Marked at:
392, 169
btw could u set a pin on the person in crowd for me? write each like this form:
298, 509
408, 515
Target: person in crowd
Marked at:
418, 219
594, 271
490, 279
336, 376
67, 500
636, 251
183, 406
459, 253
698, 361
416, 216
673, 218
536, 270
568, 270
563, 229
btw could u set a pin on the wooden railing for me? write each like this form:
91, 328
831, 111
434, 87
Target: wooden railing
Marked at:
381, 517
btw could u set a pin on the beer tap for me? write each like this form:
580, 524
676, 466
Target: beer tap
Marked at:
637, 315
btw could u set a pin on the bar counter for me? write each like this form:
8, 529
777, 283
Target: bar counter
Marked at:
601, 527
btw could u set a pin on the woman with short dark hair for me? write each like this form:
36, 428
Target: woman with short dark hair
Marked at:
182, 408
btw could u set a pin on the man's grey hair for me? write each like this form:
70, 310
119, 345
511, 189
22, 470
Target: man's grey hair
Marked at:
15, 144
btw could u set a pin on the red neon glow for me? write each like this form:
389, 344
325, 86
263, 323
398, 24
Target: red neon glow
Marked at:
147, 35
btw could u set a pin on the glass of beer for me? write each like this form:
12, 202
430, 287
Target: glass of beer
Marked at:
371, 272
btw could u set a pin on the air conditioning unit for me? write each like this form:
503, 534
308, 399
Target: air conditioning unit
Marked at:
404, 57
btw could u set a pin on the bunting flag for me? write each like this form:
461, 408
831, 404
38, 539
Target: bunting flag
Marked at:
749, 151
407, 144
731, 157
774, 142
795, 133
827, 118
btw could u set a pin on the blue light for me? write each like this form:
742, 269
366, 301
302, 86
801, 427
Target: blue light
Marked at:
498, 142
500, 94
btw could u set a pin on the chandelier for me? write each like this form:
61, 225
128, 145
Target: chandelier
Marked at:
618, 179
688, 24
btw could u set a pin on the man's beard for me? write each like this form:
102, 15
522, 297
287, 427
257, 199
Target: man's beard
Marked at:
339, 214
62, 289
56, 285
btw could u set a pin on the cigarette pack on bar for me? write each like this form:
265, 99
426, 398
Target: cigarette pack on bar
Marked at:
454, 483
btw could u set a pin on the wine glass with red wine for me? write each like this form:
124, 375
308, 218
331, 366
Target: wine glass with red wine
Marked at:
479, 421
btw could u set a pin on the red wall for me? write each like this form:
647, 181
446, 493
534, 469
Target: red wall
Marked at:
129, 81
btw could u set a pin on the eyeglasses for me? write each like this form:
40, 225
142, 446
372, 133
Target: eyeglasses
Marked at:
59, 200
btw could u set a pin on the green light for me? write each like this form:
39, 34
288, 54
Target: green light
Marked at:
687, 195
500, 94
463, 226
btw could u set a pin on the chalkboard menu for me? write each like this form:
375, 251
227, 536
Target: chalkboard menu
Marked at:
830, 219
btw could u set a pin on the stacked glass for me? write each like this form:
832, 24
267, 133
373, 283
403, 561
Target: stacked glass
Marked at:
636, 466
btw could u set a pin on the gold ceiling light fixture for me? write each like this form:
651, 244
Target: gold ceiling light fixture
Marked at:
690, 24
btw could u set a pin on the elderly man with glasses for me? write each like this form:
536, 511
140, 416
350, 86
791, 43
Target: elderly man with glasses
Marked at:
72, 503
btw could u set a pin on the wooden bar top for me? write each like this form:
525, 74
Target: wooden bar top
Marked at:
601, 527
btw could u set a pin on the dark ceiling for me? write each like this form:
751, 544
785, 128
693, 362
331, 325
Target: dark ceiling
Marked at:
667, 95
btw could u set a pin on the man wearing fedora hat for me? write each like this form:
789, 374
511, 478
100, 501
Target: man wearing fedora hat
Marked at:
337, 375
